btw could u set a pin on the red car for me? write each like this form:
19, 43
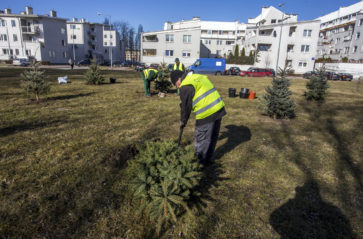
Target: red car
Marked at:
256, 72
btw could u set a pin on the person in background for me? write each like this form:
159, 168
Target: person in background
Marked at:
148, 75
178, 66
198, 94
70, 62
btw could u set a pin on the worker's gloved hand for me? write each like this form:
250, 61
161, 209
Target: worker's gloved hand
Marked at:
182, 124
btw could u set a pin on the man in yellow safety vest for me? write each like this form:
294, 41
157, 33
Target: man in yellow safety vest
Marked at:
198, 94
178, 66
148, 75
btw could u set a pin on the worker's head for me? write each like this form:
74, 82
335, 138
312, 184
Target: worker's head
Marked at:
177, 60
176, 78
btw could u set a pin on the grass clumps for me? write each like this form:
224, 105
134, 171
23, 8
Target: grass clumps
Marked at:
94, 76
164, 178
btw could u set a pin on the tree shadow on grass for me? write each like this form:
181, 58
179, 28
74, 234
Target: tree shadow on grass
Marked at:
308, 216
27, 126
68, 97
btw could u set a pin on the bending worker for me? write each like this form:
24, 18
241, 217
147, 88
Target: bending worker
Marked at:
148, 75
198, 94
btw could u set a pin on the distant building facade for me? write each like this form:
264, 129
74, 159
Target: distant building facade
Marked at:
281, 39
190, 40
27, 35
132, 55
341, 34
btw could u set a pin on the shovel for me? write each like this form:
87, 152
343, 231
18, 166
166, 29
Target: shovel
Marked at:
180, 135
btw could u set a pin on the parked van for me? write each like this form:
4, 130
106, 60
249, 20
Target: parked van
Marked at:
215, 66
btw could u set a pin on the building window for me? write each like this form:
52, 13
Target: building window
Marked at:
3, 37
64, 54
73, 37
302, 64
5, 51
307, 33
230, 33
229, 42
357, 36
73, 26
264, 47
275, 34
346, 50
186, 53
355, 49
169, 53
305, 48
63, 43
17, 52
273, 21
218, 52
105, 36
219, 42
28, 52
209, 32
207, 41
15, 37
111, 44
13, 23
63, 31
105, 50
3, 23
169, 38
149, 52
360, 22
220, 32
105, 43
11, 52
111, 36
187, 38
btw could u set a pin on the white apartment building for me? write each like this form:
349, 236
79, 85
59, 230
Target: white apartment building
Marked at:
281, 39
340, 34
27, 35
89, 40
189, 40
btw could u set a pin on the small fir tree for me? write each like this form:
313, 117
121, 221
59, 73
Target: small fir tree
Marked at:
164, 178
162, 83
34, 82
277, 102
317, 87
94, 76
243, 53
236, 51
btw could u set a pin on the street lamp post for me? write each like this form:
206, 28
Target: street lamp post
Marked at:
110, 26
282, 22
257, 33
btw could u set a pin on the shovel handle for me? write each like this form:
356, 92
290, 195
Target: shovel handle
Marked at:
180, 135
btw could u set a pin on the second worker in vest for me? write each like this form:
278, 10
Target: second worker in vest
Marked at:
198, 94
148, 75
178, 66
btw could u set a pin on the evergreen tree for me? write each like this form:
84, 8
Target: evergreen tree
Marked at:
163, 178
317, 86
277, 102
243, 52
162, 83
94, 76
34, 82
236, 51
250, 55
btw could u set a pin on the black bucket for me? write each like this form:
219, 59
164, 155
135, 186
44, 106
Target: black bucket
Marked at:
232, 92
112, 80
245, 90
243, 95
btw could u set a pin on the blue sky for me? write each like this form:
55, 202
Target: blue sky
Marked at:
153, 13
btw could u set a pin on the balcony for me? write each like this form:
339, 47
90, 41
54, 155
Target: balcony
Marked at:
32, 30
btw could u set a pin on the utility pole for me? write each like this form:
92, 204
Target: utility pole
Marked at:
278, 50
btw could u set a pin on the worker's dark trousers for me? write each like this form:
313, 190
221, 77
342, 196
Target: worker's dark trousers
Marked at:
205, 140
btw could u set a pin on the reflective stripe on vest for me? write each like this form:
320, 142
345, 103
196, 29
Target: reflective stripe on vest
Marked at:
180, 67
206, 100
147, 72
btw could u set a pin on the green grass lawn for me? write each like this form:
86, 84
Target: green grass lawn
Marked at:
62, 161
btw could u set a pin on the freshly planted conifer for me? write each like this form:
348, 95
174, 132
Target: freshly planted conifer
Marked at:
94, 76
317, 86
163, 178
277, 102
34, 82
162, 83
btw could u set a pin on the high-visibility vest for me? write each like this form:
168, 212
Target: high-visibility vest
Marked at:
147, 73
206, 100
180, 68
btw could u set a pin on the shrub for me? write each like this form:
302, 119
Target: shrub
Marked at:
94, 76
277, 102
163, 178
34, 82
317, 86
162, 83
